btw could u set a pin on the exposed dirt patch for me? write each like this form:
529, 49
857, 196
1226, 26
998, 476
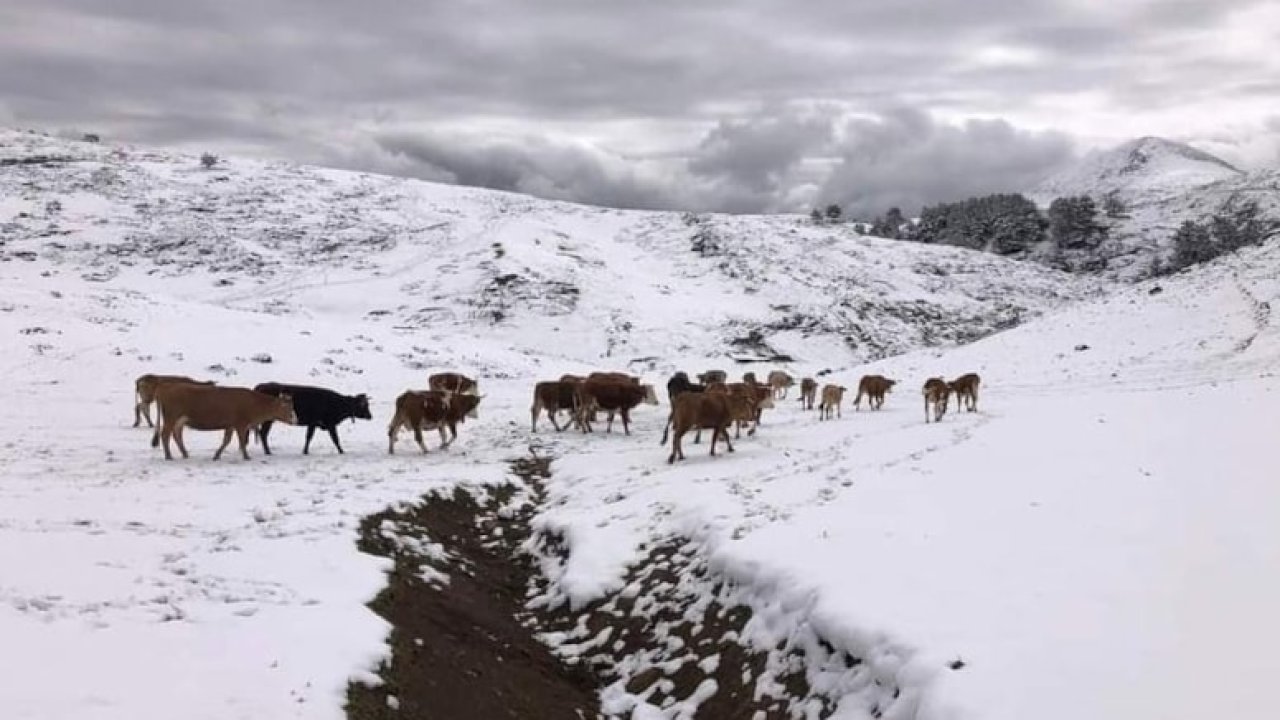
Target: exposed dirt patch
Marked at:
478, 631
459, 649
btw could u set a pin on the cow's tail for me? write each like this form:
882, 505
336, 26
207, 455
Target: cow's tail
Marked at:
666, 429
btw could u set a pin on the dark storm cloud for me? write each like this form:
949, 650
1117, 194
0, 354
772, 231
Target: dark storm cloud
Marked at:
905, 159
416, 87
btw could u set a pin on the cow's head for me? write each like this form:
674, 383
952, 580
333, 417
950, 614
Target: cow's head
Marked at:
471, 403
359, 407
650, 397
282, 410
888, 384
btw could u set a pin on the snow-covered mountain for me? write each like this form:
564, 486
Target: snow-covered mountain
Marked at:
1139, 171
1096, 541
1159, 185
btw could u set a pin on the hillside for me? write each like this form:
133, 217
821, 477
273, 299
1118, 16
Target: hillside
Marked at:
1161, 184
538, 277
1095, 541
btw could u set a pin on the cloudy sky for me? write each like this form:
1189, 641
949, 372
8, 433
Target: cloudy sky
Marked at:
745, 106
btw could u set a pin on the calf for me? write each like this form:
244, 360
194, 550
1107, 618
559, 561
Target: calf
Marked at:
454, 383
145, 389
832, 396
419, 410
780, 381
554, 396
316, 407
611, 396
696, 411
713, 376
966, 389
874, 387
212, 407
936, 391
808, 392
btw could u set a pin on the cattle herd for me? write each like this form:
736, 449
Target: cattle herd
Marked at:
713, 403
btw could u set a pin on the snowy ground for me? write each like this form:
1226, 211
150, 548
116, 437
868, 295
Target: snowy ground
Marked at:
1096, 542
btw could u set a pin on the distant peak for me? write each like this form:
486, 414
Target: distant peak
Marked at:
1139, 152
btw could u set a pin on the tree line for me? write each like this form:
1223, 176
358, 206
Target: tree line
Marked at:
1011, 224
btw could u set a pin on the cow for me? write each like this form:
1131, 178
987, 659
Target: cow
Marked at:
832, 396
780, 381
874, 387
966, 389
750, 378
712, 376
145, 389
679, 383
454, 383
759, 397
713, 411
936, 391
808, 392
316, 407
612, 397
554, 396
215, 407
438, 410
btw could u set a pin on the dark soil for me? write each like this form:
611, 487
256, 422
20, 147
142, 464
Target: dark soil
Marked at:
460, 651
467, 649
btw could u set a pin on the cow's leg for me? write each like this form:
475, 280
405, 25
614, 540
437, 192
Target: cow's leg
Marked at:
535, 410
697, 436
715, 435
306, 444
444, 435
676, 452
179, 430
551, 414
242, 434
166, 433
626, 420
391, 436
727, 444
838, 414
417, 437
608, 425
263, 431
226, 440
333, 435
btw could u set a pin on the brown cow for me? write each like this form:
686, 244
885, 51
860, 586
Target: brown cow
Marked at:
612, 397
966, 388
874, 387
213, 407
145, 389
760, 398
455, 383
421, 410
554, 396
832, 396
936, 391
780, 381
710, 410
808, 392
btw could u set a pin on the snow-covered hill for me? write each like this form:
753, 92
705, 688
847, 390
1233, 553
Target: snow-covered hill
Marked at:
1159, 184
576, 282
1096, 541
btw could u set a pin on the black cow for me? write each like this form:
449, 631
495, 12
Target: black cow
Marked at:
679, 383
316, 408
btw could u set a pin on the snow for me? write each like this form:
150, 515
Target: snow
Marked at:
1097, 541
